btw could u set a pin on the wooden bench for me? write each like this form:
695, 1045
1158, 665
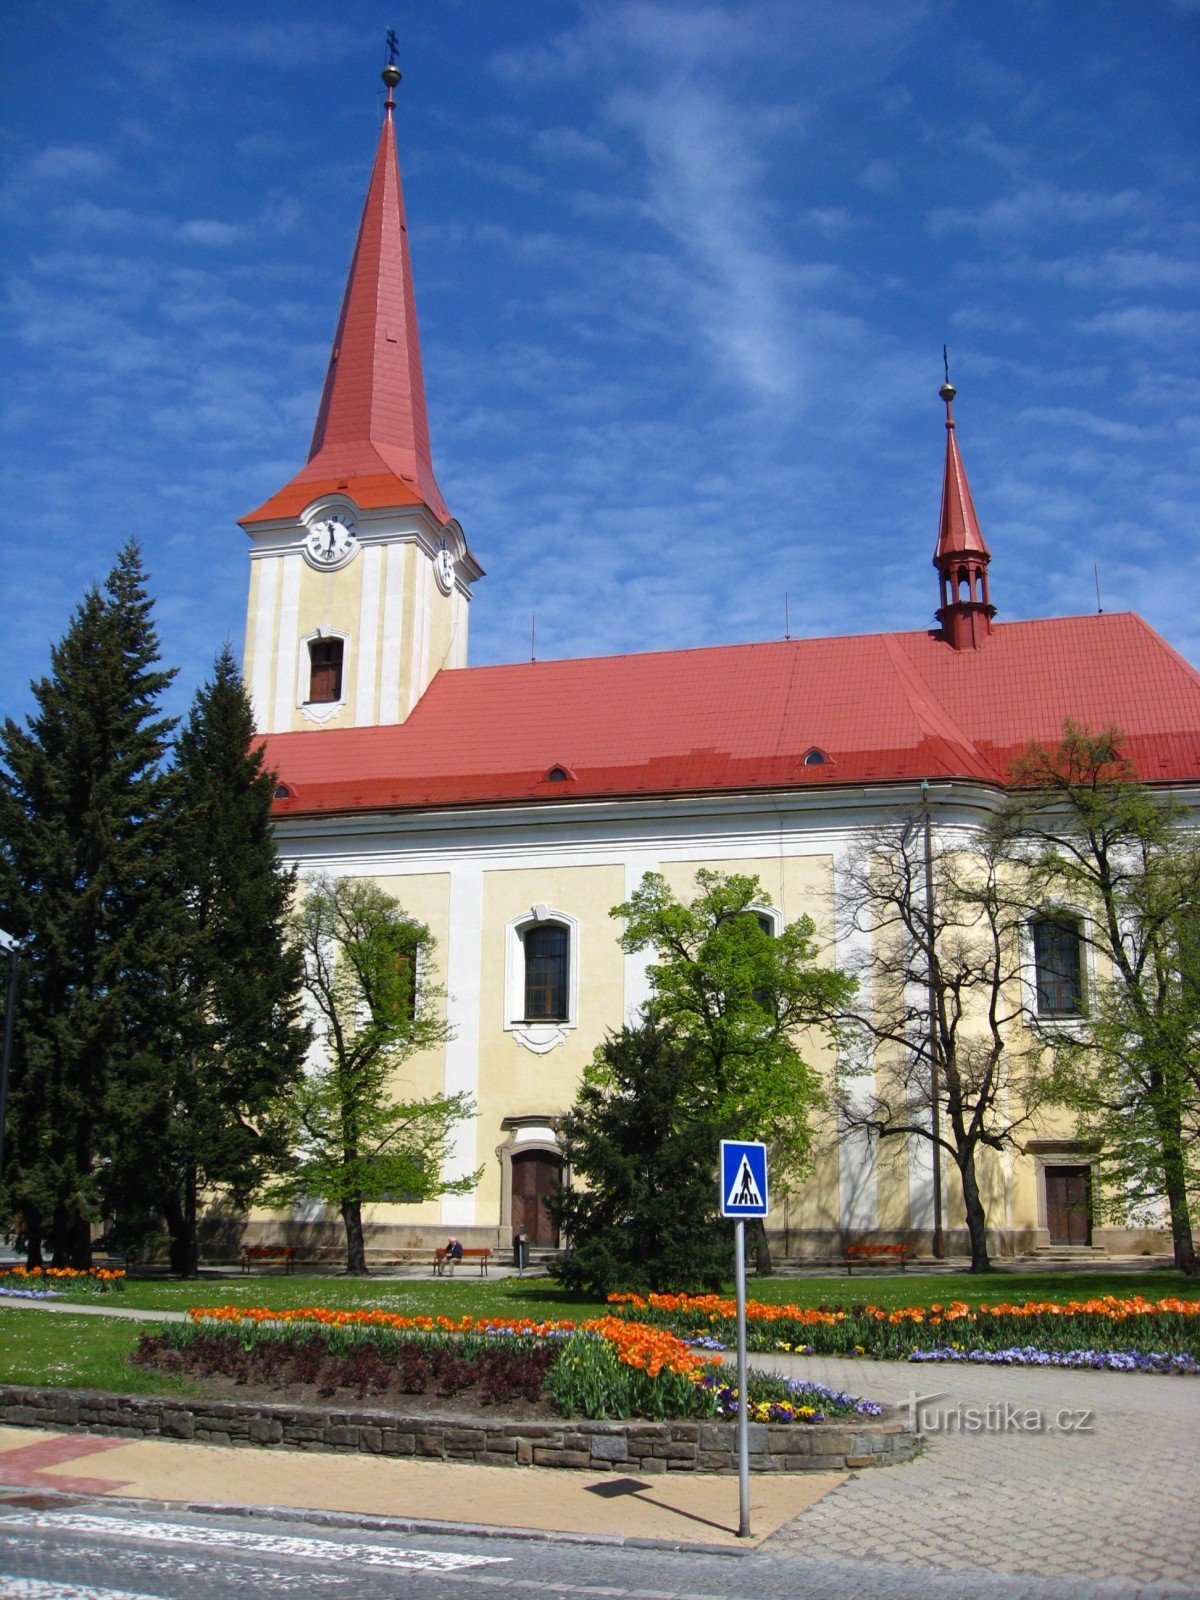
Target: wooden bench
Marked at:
873, 1255
269, 1252
439, 1260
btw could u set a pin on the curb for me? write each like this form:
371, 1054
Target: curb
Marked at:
367, 1522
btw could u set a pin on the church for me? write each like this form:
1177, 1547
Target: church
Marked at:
510, 807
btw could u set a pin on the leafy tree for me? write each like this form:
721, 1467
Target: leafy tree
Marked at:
357, 1141
241, 1042
933, 1046
84, 880
638, 1136
1103, 844
736, 996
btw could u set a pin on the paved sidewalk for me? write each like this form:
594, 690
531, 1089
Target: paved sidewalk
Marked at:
673, 1509
1118, 1502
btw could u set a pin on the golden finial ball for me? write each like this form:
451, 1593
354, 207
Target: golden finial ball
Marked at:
947, 391
391, 74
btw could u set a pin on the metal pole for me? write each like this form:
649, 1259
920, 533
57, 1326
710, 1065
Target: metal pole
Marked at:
934, 1086
8, 943
739, 1247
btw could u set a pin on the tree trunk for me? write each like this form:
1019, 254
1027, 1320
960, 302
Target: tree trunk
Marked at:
32, 1219
180, 1217
172, 1211
763, 1265
976, 1217
356, 1255
1175, 1183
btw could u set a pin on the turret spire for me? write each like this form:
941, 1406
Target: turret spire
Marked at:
961, 556
371, 439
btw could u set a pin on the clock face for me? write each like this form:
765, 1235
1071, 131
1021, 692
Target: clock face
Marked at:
443, 570
332, 541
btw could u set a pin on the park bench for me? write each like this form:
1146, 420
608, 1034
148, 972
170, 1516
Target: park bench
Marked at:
480, 1255
252, 1253
874, 1255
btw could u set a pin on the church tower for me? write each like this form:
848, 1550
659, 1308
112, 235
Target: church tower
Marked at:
961, 556
360, 579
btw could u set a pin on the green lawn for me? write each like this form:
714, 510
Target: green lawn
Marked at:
92, 1352
67, 1352
541, 1298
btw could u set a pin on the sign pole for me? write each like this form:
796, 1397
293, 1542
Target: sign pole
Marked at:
739, 1246
743, 1194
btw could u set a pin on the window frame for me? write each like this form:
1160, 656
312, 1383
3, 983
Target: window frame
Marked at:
1062, 914
321, 710
539, 1034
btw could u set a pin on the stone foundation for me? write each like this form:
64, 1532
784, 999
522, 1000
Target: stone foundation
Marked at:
639, 1447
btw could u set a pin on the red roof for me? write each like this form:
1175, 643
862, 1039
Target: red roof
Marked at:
882, 708
958, 531
371, 440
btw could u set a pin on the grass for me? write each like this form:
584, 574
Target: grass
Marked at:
60, 1350
540, 1298
65, 1352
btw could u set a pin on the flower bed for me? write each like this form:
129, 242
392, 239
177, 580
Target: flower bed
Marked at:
1108, 1333
609, 1367
37, 1283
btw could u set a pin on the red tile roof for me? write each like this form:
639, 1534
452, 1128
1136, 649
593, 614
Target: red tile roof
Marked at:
883, 708
371, 440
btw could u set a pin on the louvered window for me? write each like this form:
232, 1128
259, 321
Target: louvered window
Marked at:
325, 671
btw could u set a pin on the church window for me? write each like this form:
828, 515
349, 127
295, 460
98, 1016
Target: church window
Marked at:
815, 758
547, 969
325, 671
1058, 966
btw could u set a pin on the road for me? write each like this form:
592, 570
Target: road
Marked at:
54, 1549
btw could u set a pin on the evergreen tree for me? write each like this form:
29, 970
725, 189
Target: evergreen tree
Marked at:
646, 1215
241, 1042
358, 1140
83, 830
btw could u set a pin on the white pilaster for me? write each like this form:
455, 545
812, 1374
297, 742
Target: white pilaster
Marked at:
262, 641
393, 630
464, 960
368, 636
858, 1186
418, 665
637, 965
289, 626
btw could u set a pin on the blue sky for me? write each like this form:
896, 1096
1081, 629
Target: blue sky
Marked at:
683, 271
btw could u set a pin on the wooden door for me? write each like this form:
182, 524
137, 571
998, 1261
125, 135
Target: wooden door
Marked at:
535, 1176
1068, 1205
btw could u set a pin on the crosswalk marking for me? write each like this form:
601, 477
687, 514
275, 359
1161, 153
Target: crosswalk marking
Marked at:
38, 1589
250, 1543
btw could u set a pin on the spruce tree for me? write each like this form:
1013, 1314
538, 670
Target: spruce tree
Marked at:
83, 826
242, 1042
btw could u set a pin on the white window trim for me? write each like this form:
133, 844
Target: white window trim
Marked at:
772, 914
539, 1037
1029, 994
326, 708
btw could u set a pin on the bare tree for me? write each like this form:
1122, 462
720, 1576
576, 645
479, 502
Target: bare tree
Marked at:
937, 1054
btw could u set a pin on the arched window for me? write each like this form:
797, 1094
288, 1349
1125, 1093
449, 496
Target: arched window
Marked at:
815, 757
324, 671
1058, 966
547, 972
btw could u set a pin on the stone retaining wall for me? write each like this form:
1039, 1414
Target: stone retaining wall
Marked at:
642, 1447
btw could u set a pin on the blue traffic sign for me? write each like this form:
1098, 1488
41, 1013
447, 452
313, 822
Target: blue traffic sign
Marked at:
743, 1179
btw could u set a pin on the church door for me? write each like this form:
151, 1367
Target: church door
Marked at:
535, 1176
1068, 1205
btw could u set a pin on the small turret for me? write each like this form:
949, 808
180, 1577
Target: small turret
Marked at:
961, 557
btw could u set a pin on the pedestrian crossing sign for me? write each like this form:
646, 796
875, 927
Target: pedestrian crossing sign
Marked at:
743, 1178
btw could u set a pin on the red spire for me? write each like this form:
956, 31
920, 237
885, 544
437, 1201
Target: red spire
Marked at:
371, 439
961, 556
